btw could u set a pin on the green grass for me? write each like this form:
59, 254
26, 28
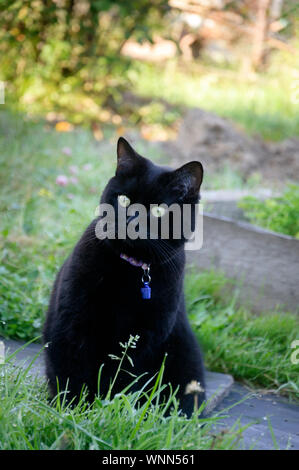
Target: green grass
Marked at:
280, 214
40, 223
254, 349
28, 420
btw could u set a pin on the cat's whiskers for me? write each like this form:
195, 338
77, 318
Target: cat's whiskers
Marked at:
171, 259
165, 252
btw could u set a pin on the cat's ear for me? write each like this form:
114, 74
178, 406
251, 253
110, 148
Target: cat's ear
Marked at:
127, 158
188, 179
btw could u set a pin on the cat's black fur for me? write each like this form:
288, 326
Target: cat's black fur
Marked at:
96, 301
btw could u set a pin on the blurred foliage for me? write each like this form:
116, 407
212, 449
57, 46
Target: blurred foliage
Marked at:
63, 59
263, 103
50, 49
280, 214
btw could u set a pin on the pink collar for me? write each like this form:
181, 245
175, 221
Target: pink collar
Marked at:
134, 262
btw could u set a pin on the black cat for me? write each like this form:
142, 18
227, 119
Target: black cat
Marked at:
96, 302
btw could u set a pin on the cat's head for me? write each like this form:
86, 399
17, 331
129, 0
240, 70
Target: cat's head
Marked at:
159, 192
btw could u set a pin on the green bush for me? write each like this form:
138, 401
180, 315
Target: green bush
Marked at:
66, 55
280, 214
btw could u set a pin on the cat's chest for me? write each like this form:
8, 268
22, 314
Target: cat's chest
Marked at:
127, 289
121, 307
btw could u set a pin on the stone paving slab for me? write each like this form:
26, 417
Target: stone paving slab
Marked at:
217, 385
260, 410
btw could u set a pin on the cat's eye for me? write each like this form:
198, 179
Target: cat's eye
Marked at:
123, 200
158, 211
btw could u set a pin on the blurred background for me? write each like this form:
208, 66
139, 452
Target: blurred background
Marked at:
142, 64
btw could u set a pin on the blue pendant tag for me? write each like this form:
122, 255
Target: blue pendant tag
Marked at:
146, 291
146, 279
